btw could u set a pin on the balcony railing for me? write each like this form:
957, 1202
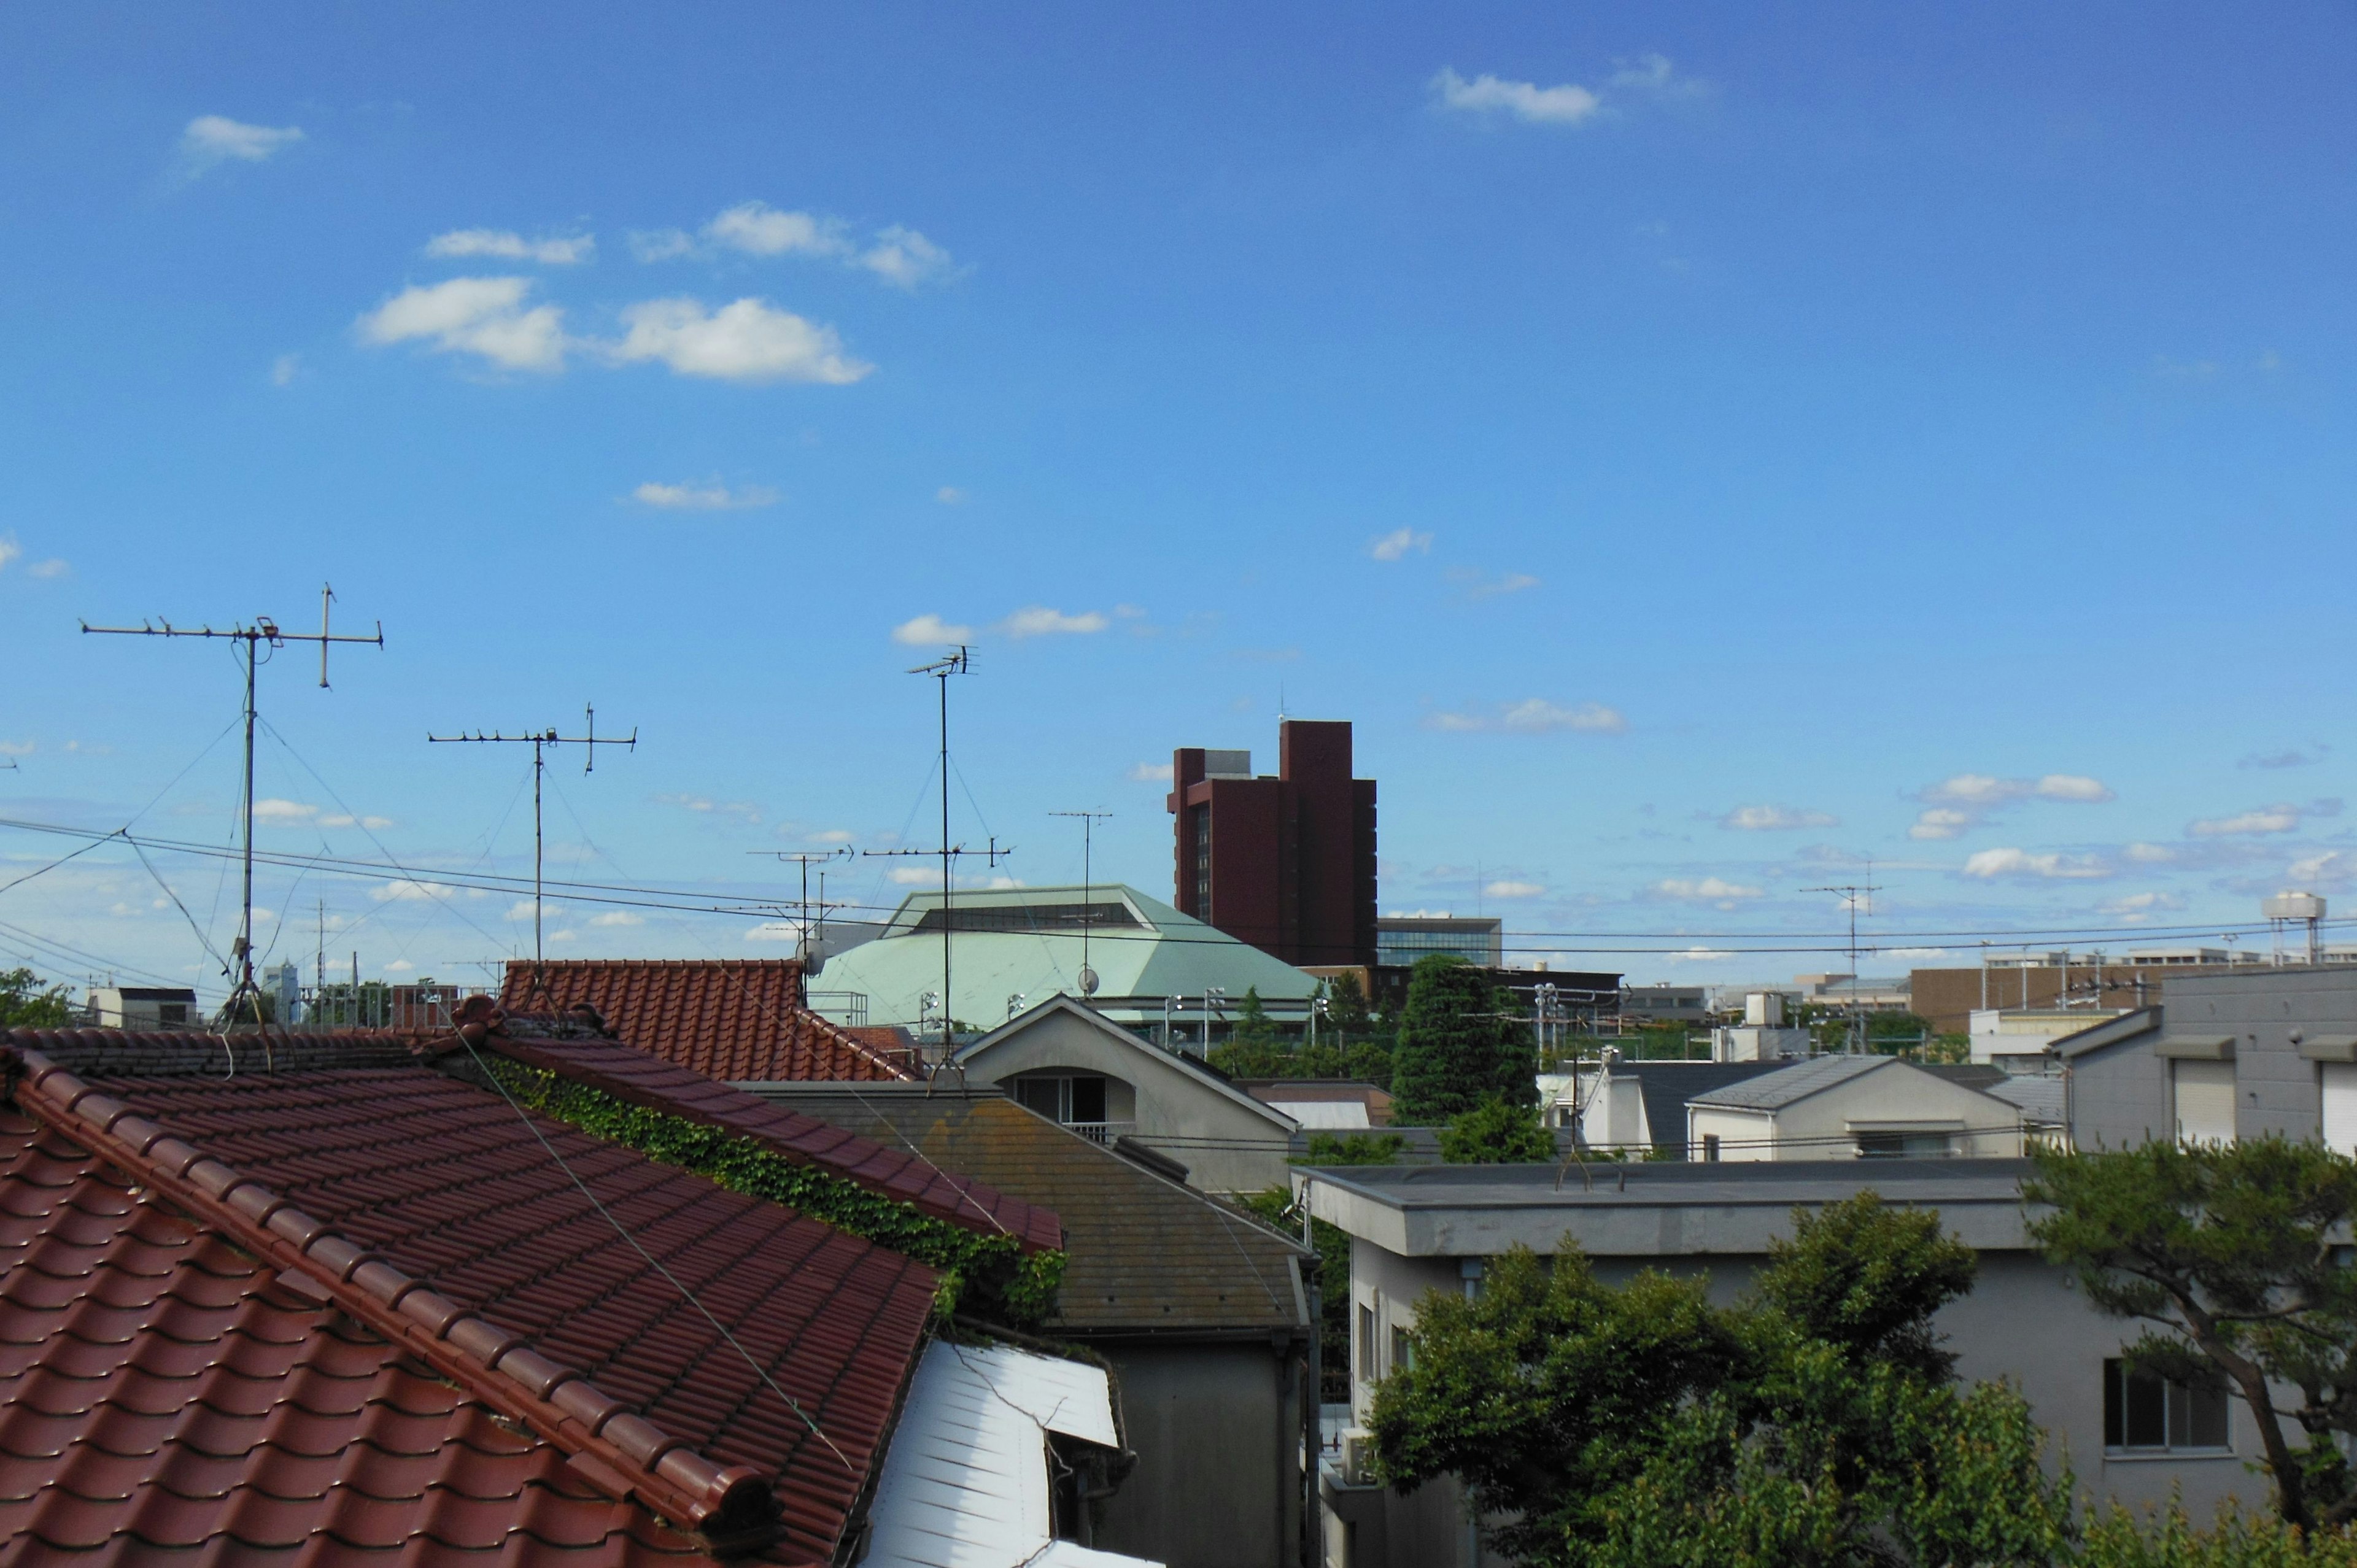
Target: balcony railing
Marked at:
1103, 1132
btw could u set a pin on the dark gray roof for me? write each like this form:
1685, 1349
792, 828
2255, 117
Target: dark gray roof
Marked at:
1972, 1075
1775, 1182
1666, 1087
2041, 1099
1774, 1090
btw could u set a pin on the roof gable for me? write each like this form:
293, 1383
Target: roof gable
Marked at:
1788, 1086
1186, 1068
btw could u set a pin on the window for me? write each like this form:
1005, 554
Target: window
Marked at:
1403, 1352
172, 1012
1903, 1145
1044, 1095
1368, 1370
2204, 1092
2155, 1415
1710, 1148
1202, 910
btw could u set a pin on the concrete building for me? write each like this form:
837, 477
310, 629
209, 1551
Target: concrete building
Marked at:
1417, 1230
2018, 1038
1401, 939
142, 1007
1665, 1004
1074, 1066
1834, 1108
1948, 997
1284, 862
2228, 1056
1155, 969
1639, 1108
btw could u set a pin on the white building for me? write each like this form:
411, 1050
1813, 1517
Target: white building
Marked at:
1851, 1106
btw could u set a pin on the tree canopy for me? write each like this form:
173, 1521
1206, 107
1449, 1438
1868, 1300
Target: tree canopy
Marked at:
1461, 1043
1496, 1133
2229, 1255
28, 1002
1638, 1426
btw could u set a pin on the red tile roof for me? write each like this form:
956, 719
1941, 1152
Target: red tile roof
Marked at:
442, 1222
167, 1395
737, 1020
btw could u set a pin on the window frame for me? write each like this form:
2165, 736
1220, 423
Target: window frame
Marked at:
2176, 1414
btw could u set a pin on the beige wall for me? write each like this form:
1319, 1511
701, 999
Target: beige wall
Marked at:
1895, 1097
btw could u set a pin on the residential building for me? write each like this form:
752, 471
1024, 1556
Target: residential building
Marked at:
2017, 1038
350, 1300
1639, 1108
1206, 1316
142, 1007
1323, 1105
2228, 1056
1402, 939
1417, 1230
1153, 969
1284, 862
1845, 1107
737, 1020
1074, 1066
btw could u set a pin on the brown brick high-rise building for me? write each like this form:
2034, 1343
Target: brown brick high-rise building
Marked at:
1286, 864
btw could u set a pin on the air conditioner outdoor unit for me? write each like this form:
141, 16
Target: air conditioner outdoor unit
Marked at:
1358, 1456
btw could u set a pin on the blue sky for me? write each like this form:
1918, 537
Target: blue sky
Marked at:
1703, 449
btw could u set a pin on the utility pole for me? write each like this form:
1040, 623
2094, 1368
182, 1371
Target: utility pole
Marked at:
941, 669
540, 740
1088, 821
252, 639
1852, 894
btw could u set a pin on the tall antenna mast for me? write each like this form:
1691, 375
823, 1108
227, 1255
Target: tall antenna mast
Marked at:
941, 669
803, 948
1088, 821
588, 741
264, 633
1852, 894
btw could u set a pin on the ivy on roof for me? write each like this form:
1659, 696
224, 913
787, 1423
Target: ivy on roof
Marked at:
986, 1277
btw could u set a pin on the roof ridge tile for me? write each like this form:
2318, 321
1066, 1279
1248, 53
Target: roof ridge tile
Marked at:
732, 1506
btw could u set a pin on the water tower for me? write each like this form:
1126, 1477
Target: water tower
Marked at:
2288, 909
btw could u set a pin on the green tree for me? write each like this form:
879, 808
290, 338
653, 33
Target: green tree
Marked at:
26, 1001
1816, 1423
1252, 1026
1458, 1047
1352, 1149
1496, 1133
1346, 1005
2233, 1258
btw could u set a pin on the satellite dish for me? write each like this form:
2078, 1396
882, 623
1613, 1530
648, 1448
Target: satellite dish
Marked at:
1088, 980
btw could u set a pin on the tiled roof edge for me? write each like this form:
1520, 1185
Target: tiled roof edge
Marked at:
852, 1042
734, 1507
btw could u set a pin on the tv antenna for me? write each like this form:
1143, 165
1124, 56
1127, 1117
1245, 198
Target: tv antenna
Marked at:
1852, 893
1088, 821
941, 669
263, 634
803, 948
589, 740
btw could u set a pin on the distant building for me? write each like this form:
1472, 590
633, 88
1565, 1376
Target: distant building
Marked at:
1665, 1004
1401, 939
1284, 862
286, 987
2018, 1038
1850, 1107
142, 1007
1947, 998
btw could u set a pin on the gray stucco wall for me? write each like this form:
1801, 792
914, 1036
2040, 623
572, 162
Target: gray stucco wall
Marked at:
2119, 1094
1217, 1430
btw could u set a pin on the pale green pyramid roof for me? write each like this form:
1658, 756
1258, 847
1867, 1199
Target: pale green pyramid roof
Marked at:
1142, 950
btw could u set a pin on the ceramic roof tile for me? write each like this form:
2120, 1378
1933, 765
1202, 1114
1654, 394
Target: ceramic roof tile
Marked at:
735, 1020
444, 1181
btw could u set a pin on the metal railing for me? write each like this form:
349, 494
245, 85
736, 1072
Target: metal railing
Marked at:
846, 1007
1101, 1132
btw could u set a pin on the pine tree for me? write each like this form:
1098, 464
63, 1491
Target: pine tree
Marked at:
1455, 1052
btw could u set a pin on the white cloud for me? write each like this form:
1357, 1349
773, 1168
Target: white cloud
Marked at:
1983, 790
1991, 863
950, 494
1941, 822
661, 244
927, 630
832, 835
1150, 772
1533, 715
52, 567
617, 918
1510, 888
1037, 620
2151, 853
341, 821
1775, 819
774, 931
211, 139
1915, 955
1709, 890
1395, 545
522, 910
758, 229
913, 877
284, 368
905, 259
2318, 867
274, 811
399, 966
2075, 787
9, 550
713, 497
509, 245
746, 340
473, 316
2292, 757
2277, 819
25, 748
1567, 105
2137, 906
1699, 955
404, 891
1478, 586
